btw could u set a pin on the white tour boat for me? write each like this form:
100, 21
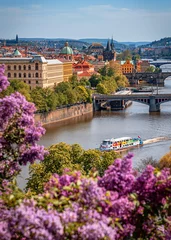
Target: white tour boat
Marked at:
120, 143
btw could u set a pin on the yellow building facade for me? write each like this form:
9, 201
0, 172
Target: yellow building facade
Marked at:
37, 71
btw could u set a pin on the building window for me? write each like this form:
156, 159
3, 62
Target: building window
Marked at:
29, 67
15, 67
29, 82
15, 75
37, 82
19, 67
25, 81
24, 67
37, 75
9, 68
19, 75
9, 75
29, 75
24, 75
36, 66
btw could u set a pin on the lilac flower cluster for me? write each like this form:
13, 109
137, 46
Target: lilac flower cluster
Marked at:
77, 207
119, 177
3, 79
19, 132
31, 222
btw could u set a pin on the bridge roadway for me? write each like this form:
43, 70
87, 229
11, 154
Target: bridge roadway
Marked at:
160, 63
153, 78
152, 100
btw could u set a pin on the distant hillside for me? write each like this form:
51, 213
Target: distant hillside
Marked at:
117, 44
59, 42
163, 42
103, 41
135, 43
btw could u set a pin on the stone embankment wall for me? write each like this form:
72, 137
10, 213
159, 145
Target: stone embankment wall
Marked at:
61, 114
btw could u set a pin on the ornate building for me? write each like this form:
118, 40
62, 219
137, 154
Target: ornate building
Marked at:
66, 52
96, 49
83, 69
130, 66
37, 71
109, 52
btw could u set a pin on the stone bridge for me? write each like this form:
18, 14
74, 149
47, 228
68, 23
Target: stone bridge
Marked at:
160, 63
153, 101
155, 78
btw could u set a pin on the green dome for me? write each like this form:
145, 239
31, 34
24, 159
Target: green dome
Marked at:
16, 53
67, 50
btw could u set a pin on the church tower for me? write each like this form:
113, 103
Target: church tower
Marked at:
109, 53
16, 38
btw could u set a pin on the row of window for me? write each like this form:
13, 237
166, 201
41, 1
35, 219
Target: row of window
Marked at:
24, 75
29, 82
24, 67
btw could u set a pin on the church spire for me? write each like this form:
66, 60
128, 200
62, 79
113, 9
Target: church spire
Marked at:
112, 44
108, 48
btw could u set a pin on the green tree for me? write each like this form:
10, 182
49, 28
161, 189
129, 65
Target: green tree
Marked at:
73, 157
103, 71
18, 86
71, 96
39, 100
62, 87
150, 69
84, 82
82, 93
110, 72
94, 80
110, 84
101, 88
73, 81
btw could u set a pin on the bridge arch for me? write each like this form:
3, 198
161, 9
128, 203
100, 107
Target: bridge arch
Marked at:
166, 67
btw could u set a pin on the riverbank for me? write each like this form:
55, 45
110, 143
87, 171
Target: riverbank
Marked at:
63, 114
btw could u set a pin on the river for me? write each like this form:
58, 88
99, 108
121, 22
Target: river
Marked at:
89, 131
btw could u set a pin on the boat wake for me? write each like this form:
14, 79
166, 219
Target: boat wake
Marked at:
154, 140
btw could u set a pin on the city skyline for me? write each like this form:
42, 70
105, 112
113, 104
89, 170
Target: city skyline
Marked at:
126, 21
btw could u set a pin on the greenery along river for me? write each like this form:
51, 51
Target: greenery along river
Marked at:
135, 121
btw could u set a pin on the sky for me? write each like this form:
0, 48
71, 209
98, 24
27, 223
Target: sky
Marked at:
125, 20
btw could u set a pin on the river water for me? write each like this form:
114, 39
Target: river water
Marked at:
90, 130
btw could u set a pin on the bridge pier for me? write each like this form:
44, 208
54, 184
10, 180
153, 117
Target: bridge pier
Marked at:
153, 106
96, 106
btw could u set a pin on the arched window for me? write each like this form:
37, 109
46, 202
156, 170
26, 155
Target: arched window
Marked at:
19, 67
24, 67
9, 67
15, 67
19, 75
24, 75
15, 75
9, 75
37, 75
37, 82
29, 75
36, 66
29, 67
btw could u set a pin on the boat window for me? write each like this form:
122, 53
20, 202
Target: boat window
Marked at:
106, 142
